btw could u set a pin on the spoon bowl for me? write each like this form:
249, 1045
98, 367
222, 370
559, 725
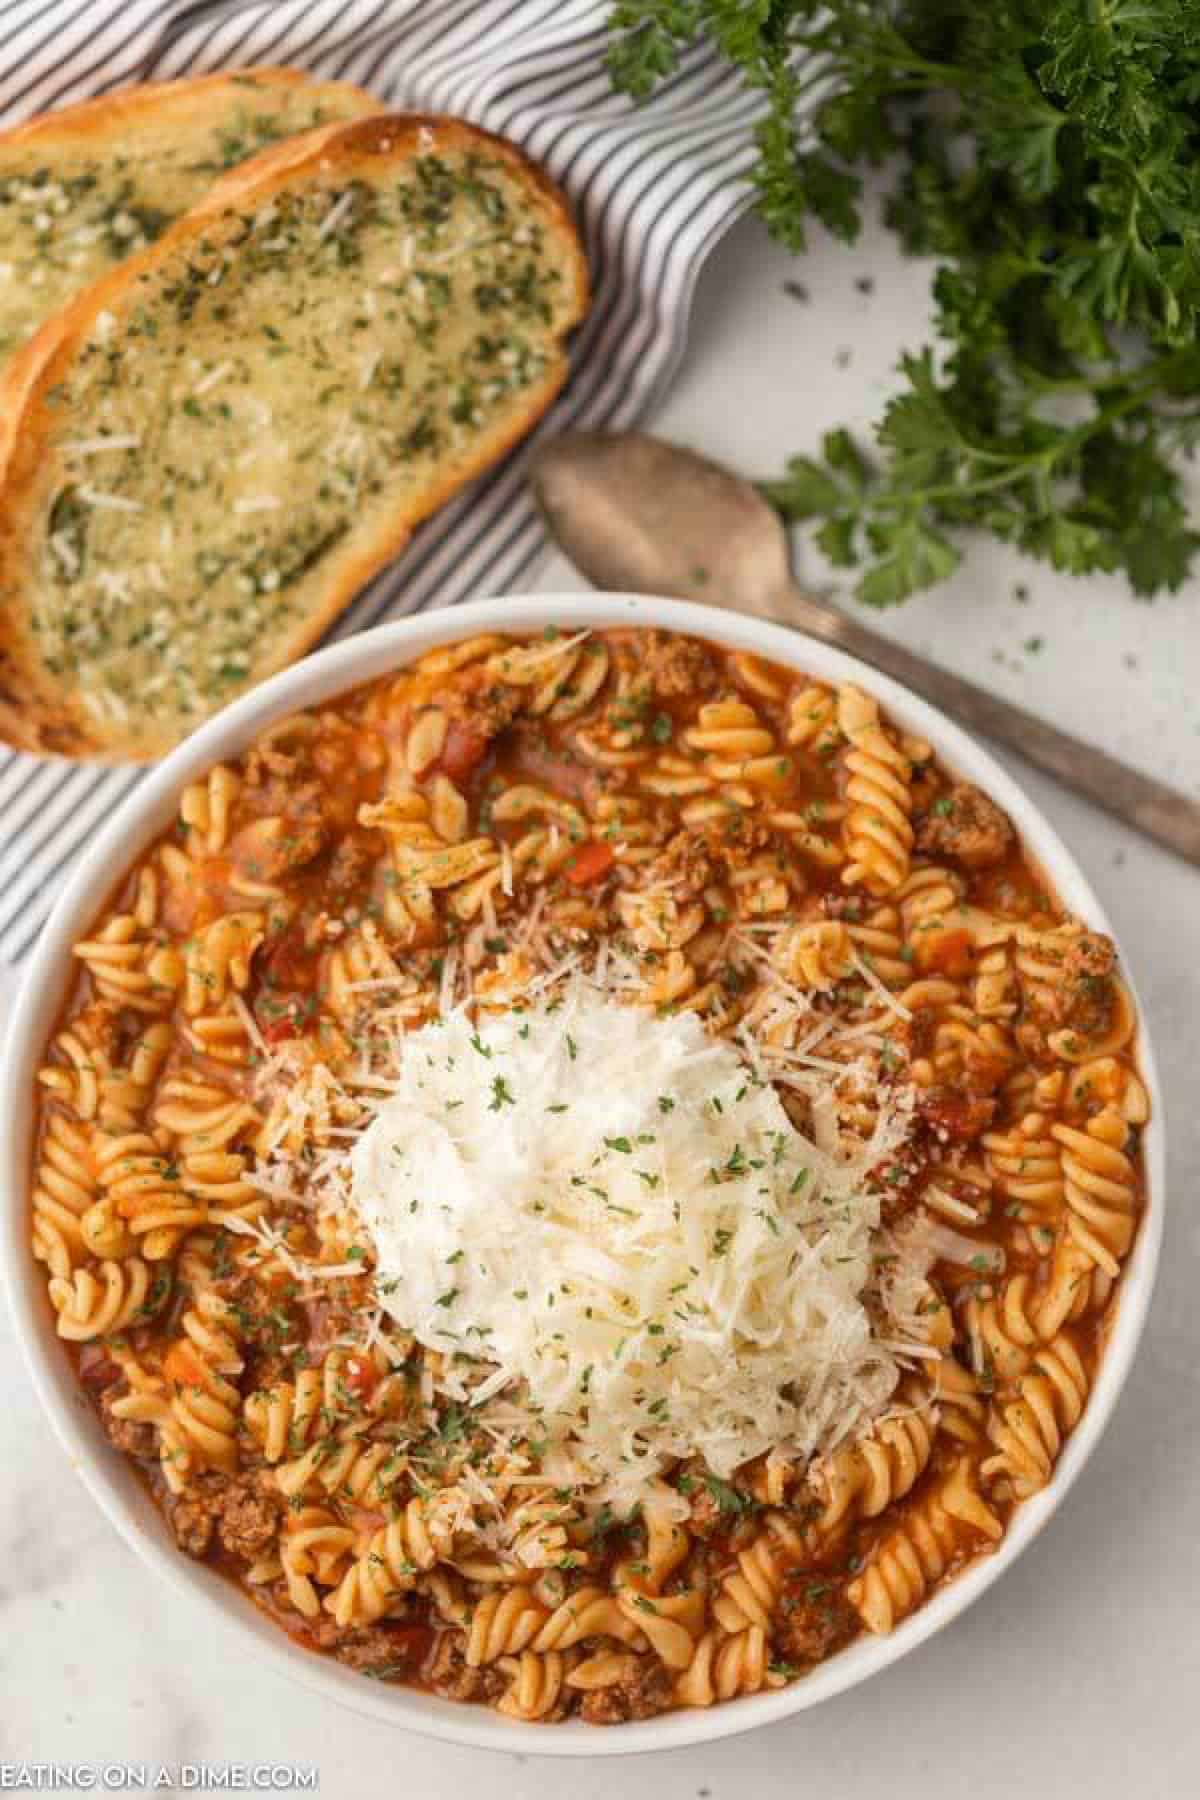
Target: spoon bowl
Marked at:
637, 514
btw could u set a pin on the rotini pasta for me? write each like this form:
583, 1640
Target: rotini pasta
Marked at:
1100, 1187
729, 849
922, 1550
1028, 1431
723, 1667
878, 829
870, 1473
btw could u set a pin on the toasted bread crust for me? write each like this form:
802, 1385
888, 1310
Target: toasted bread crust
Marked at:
37, 713
165, 101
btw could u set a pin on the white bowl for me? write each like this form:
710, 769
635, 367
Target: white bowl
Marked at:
110, 1479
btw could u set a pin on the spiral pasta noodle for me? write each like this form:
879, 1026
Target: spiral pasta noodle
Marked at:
387, 1566
505, 1623
536, 1682
201, 1365
878, 830
1004, 1330
65, 1187
724, 1667
871, 1473
93, 1304
908, 1562
748, 1595
1028, 1431
1099, 1186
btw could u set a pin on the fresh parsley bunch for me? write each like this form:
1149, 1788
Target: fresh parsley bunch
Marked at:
1047, 152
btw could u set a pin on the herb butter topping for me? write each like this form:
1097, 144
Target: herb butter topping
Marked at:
67, 216
328, 352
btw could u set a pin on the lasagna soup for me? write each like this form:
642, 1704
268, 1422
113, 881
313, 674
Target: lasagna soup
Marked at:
588, 1172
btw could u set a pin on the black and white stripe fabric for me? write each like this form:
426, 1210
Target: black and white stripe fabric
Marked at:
653, 187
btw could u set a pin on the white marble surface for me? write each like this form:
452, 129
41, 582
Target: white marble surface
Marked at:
1079, 1675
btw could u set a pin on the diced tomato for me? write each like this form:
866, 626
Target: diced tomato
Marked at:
182, 1366
276, 1031
462, 751
944, 952
591, 864
361, 1375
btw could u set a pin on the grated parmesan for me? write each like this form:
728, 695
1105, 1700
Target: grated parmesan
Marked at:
114, 502
253, 503
206, 382
337, 212
618, 1227
126, 440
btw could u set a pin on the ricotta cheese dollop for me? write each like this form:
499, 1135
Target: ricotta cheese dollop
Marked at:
619, 1225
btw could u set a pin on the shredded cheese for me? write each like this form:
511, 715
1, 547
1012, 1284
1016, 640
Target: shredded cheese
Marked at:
114, 502
206, 382
126, 440
612, 1226
337, 212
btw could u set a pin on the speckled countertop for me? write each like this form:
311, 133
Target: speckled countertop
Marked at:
1079, 1675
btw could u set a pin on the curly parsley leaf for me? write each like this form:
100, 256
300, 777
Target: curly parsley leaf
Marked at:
1048, 155
730, 1501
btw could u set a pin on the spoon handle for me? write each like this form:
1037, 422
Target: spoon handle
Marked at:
1138, 800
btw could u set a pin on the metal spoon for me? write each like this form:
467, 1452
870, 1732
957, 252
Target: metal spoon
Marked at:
634, 513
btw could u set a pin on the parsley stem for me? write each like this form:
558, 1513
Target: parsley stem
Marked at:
1021, 465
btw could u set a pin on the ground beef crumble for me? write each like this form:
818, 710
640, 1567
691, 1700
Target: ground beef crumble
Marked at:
451, 1676
333, 1314
241, 1515
265, 1318
814, 1618
678, 666
391, 1650
1088, 995
647, 1690
853, 908
740, 837
193, 1520
484, 706
705, 1517
352, 861
1089, 956
304, 834
126, 1434
685, 864
249, 1518
965, 824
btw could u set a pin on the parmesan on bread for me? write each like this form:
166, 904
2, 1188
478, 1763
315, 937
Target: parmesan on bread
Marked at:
208, 454
83, 188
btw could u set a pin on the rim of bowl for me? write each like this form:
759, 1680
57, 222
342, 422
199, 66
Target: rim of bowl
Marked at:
114, 1485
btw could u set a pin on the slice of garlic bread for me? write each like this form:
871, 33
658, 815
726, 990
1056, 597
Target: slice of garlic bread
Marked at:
83, 188
208, 454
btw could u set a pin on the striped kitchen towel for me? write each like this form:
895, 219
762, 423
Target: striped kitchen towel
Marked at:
653, 187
